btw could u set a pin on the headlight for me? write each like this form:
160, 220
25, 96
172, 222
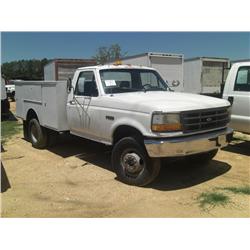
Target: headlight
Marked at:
166, 122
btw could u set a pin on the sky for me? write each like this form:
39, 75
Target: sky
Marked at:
38, 45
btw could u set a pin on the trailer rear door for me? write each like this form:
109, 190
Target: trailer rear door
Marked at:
213, 75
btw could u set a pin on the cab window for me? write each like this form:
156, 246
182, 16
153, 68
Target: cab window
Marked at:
148, 78
86, 84
242, 81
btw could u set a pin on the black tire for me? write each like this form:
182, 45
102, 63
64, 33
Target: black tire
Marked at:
13, 96
145, 171
203, 157
38, 135
5, 109
5, 106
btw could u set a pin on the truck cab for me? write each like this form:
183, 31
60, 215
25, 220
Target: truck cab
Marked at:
237, 91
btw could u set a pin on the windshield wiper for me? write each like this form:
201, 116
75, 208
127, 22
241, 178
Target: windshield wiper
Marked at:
143, 89
156, 88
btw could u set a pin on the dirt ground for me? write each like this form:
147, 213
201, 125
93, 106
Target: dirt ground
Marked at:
75, 179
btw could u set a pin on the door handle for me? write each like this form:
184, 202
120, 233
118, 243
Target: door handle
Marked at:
72, 102
231, 99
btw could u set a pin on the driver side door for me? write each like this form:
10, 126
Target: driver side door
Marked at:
81, 109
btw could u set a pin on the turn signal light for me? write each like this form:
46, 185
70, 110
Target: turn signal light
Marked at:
166, 127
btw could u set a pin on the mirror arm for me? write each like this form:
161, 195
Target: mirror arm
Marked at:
69, 84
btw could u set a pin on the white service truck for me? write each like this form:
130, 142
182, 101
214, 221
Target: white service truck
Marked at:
237, 91
130, 108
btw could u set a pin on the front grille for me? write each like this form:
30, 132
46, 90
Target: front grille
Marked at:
205, 119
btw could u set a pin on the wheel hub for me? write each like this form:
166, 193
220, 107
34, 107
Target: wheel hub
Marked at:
34, 133
132, 163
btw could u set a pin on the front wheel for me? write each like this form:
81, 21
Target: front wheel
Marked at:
132, 164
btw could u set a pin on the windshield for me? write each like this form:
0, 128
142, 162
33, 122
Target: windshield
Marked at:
131, 80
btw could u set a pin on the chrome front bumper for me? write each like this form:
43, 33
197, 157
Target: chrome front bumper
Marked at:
188, 145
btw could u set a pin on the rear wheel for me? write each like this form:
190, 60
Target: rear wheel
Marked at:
132, 164
38, 135
5, 108
13, 96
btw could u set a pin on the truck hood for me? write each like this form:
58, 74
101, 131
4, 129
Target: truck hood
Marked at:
164, 101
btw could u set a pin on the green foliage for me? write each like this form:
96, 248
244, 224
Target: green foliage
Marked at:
106, 54
213, 199
24, 69
238, 190
240, 136
9, 129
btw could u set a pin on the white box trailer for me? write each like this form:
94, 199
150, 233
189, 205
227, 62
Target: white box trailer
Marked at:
169, 65
47, 99
205, 75
62, 69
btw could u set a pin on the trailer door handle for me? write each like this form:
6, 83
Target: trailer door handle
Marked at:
231, 99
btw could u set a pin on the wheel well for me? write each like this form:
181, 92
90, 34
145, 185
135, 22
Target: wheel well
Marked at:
31, 114
125, 131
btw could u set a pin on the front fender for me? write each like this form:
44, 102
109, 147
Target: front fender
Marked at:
142, 126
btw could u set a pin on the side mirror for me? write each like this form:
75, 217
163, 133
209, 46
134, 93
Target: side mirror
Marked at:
69, 84
168, 86
175, 83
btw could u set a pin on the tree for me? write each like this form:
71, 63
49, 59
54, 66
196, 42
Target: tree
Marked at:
24, 69
106, 54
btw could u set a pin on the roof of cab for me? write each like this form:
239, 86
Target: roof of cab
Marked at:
245, 63
113, 66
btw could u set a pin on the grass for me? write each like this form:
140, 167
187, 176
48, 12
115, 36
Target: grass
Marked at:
241, 136
213, 199
9, 129
238, 190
